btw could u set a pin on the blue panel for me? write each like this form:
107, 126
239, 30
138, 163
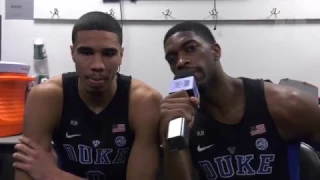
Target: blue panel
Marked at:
294, 161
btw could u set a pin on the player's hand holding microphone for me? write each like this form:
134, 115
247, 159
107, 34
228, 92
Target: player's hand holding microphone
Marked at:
178, 110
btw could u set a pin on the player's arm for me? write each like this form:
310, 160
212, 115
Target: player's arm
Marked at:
297, 114
42, 112
177, 165
144, 120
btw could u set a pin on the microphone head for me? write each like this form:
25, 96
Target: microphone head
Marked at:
182, 74
184, 80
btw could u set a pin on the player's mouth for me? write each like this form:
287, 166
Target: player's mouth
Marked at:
96, 81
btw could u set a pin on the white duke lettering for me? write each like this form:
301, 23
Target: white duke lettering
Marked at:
223, 165
103, 156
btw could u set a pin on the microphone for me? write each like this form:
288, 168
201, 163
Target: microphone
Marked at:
178, 130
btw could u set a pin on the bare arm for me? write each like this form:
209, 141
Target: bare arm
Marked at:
144, 118
42, 112
297, 114
177, 165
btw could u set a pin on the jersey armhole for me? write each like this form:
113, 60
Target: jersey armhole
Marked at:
67, 79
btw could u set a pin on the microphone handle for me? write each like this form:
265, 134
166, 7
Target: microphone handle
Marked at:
178, 134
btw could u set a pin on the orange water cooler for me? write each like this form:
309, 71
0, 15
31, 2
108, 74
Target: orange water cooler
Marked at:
14, 81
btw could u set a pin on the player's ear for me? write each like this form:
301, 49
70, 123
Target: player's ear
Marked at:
216, 51
72, 51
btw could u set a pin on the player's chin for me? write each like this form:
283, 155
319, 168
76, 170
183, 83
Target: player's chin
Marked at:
200, 78
201, 82
96, 89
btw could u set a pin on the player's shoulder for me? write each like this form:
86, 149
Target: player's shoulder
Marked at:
51, 88
282, 95
142, 91
284, 101
144, 105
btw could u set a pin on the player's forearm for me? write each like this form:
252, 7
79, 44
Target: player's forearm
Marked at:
62, 175
21, 175
177, 165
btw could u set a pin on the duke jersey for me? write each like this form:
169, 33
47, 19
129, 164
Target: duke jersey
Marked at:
251, 149
94, 146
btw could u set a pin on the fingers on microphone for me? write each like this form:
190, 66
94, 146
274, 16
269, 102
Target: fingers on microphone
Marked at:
182, 93
170, 114
195, 101
190, 124
185, 106
177, 107
176, 100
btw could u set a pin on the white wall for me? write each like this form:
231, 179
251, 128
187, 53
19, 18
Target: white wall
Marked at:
257, 49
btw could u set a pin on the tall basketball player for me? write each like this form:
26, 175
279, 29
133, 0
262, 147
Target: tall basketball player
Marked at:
245, 128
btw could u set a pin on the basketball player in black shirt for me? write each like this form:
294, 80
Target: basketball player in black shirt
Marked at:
244, 128
104, 125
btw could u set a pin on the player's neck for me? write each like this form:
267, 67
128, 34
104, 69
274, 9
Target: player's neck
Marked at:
99, 100
217, 93
221, 97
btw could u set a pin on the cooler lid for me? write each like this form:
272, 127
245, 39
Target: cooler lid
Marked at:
14, 67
